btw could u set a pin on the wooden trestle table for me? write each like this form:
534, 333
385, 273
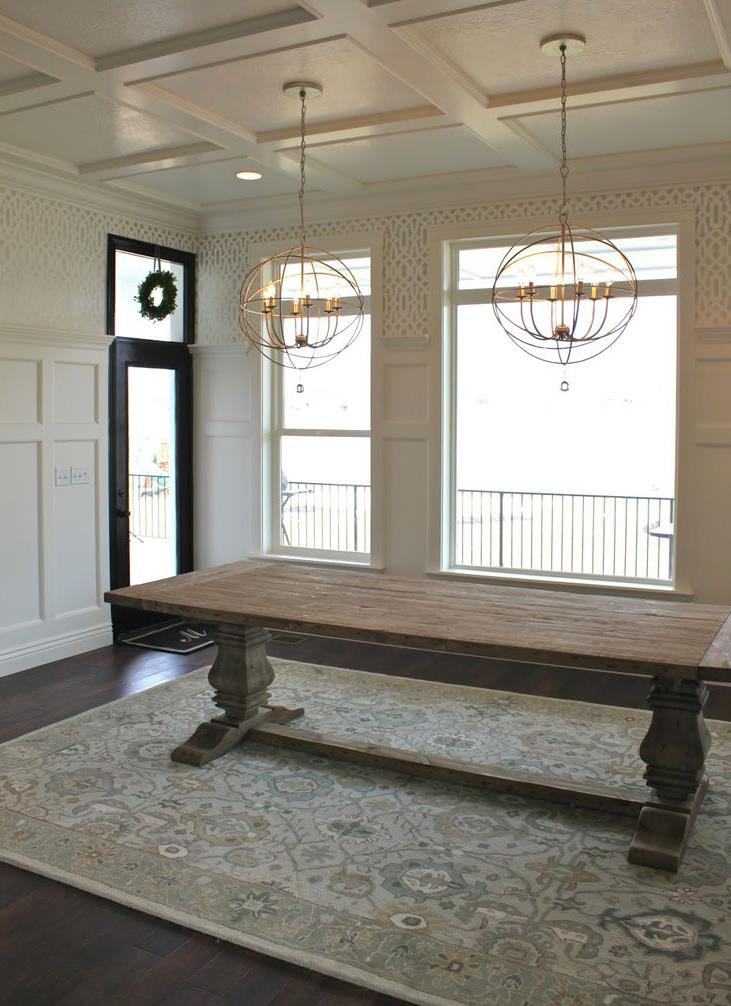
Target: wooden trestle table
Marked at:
678, 645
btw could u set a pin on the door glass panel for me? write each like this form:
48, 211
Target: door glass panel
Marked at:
129, 272
151, 446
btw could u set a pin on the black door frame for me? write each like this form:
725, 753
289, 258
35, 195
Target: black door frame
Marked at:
125, 352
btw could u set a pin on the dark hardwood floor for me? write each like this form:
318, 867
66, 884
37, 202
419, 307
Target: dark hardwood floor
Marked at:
61, 946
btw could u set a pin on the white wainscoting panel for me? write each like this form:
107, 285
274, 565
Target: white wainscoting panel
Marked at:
19, 390
226, 454
20, 534
54, 543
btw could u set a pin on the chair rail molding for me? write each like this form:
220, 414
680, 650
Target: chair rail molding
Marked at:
53, 337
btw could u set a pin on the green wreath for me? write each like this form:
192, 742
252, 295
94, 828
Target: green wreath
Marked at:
157, 280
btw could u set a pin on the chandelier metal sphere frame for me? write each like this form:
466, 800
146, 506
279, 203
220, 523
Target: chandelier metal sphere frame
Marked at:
564, 294
302, 306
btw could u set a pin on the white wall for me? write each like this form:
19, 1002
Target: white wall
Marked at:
407, 422
53, 413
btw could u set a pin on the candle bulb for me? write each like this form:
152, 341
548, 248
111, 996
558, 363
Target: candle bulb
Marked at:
594, 291
553, 294
338, 303
607, 290
580, 288
296, 306
328, 306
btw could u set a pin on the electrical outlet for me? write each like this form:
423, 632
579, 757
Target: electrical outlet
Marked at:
79, 476
63, 475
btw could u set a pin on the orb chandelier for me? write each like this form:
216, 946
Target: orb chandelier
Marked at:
302, 306
564, 294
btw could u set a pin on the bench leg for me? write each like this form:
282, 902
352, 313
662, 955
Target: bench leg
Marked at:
674, 751
241, 675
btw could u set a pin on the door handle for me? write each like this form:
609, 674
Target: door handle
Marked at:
123, 513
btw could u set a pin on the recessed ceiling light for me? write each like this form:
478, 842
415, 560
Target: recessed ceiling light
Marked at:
249, 176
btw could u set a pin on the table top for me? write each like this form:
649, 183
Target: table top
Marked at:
604, 632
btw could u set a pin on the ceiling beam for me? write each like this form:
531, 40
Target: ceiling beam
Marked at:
118, 167
617, 90
719, 15
358, 127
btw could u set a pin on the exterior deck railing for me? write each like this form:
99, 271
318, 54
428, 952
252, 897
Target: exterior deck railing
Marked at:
149, 506
331, 516
618, 537
611, 537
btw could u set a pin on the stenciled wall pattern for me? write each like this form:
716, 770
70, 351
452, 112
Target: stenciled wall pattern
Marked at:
225, 258
53, 260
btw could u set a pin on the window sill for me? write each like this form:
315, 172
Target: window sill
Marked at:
577, 584
328, 561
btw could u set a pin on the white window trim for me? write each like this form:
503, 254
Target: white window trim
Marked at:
272, 429
442, 240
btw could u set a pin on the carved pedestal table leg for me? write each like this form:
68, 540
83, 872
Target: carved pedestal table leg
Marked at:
674, 751
241, 676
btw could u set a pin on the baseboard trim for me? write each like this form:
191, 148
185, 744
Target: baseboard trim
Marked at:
43, 651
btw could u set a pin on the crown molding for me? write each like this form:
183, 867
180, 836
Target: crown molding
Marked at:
25, 176
651, 169
18, 333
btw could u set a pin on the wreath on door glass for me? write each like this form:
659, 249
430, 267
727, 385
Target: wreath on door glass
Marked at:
161, 280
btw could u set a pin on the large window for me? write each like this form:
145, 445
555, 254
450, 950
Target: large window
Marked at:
577, 484
321, 447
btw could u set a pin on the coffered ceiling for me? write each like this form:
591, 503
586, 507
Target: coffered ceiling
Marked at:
169, 100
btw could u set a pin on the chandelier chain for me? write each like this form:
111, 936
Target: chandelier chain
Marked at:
301, 193
563, 212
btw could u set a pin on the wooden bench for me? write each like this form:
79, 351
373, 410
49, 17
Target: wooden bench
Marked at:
679, 645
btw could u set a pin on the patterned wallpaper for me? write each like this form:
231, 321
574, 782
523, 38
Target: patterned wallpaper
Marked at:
53, 260
53, 257
224, 258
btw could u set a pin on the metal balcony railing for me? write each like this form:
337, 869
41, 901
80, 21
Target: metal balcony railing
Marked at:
330, 516
613, 537
149, 506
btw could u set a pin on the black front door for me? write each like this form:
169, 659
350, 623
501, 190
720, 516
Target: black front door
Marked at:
150, 437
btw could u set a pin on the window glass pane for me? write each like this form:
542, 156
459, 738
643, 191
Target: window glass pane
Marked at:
328, 281
325, 493
336, 396
652, 256
577, 483
130, 271
151, 447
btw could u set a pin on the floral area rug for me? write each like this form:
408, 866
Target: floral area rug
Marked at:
427, 891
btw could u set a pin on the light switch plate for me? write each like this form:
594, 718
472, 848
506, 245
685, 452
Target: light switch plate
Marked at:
63, 475
79, 476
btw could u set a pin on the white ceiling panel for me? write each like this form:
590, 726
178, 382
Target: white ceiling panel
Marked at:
249, 91
392, 156
652, 123
101, 27
88, 129
216, 182
498, 47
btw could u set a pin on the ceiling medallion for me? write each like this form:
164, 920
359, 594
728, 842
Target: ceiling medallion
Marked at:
564, 294
302, 306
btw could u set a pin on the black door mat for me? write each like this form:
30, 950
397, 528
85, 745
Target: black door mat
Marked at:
170, 637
